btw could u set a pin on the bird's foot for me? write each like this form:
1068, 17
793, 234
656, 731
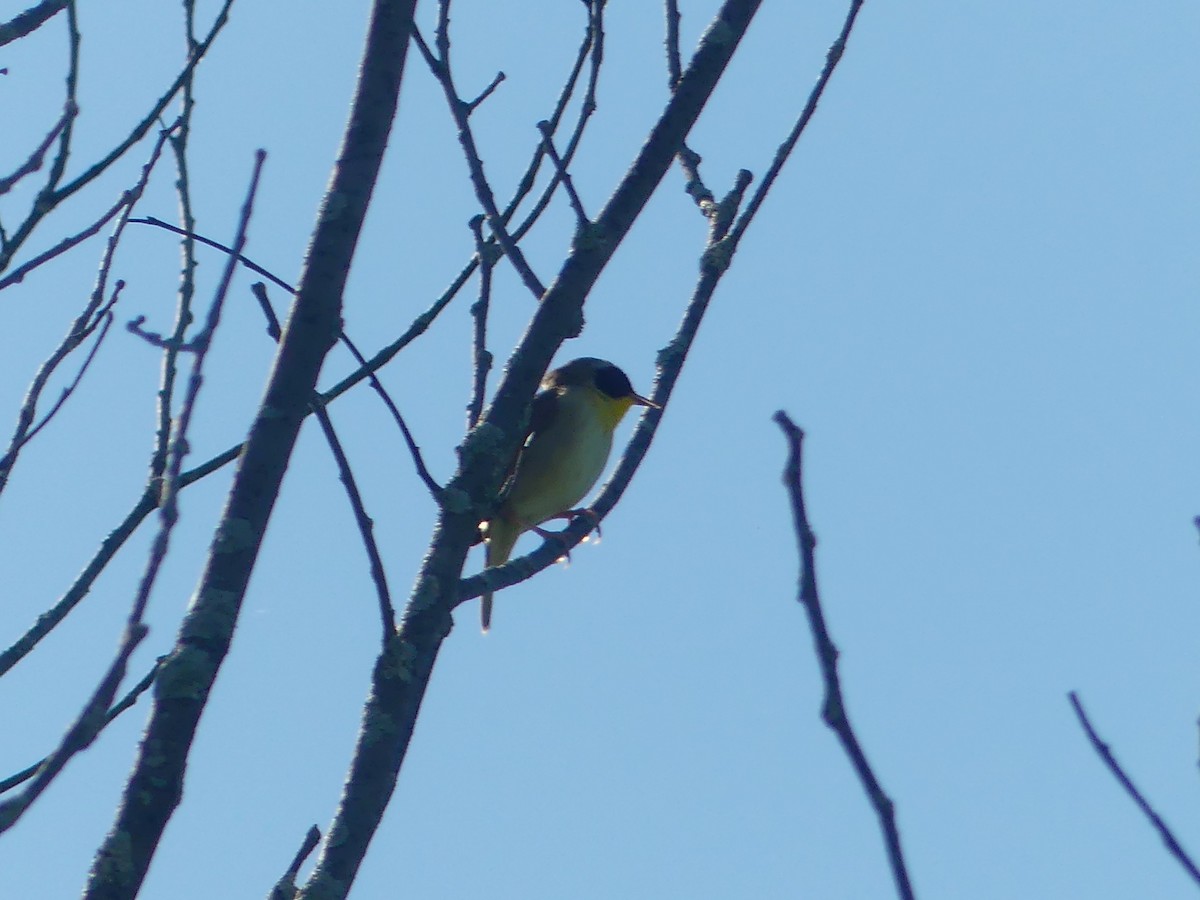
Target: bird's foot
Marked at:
557, 535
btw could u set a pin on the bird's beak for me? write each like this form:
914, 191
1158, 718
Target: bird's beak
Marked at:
639, 400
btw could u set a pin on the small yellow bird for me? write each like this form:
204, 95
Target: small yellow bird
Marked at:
571, 426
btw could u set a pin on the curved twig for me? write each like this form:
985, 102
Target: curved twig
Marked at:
834, 708
1105, 753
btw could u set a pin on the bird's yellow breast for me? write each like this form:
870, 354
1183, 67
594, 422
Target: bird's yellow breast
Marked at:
564, 461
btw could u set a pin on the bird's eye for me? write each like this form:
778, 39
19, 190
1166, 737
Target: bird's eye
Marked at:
612, 381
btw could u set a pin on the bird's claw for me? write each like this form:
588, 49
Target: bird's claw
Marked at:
570, 514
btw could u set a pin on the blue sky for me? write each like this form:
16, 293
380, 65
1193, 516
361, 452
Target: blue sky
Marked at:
974, 287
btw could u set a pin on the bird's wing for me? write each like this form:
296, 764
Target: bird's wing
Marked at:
542, 412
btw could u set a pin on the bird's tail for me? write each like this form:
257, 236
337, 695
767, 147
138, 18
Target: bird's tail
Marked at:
501, 538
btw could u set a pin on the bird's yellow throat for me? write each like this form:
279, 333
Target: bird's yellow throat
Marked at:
611, 410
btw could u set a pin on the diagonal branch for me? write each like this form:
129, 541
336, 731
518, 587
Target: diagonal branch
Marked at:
155, 786
460, 111
30, 20
1105, 753
126, 702
38, 156
834, 711
832, 57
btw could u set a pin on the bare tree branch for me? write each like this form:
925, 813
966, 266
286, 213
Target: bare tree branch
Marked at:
91, 720
832, 57
29, 21
88, 319
560, 167
834, 709
285, 888
52, 195
366, 526
460, 111
155, 786
401, 674
591, 47
1105, 753
125, 703
481, 357
38, 156
179, 142
100, 326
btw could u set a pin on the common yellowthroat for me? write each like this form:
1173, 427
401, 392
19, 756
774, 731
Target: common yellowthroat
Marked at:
571, 425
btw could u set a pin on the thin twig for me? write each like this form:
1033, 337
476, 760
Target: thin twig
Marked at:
834, 708
53, 195
435, 489
88, 319
59, 166
38, 156
109, 547
366, 527
165, 397
366, 369
259, 290
689, 160
104, 320
591, 48
125, 703
832, 57
30, 20
208, 242
17, 275
285, 888
123, 207
1106, 756
581, 218
487, 92
90, 720
481, 357
460, 112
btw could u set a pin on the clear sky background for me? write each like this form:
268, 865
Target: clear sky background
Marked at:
975, 287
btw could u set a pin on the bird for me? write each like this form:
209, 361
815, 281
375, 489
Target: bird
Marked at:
571, 426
